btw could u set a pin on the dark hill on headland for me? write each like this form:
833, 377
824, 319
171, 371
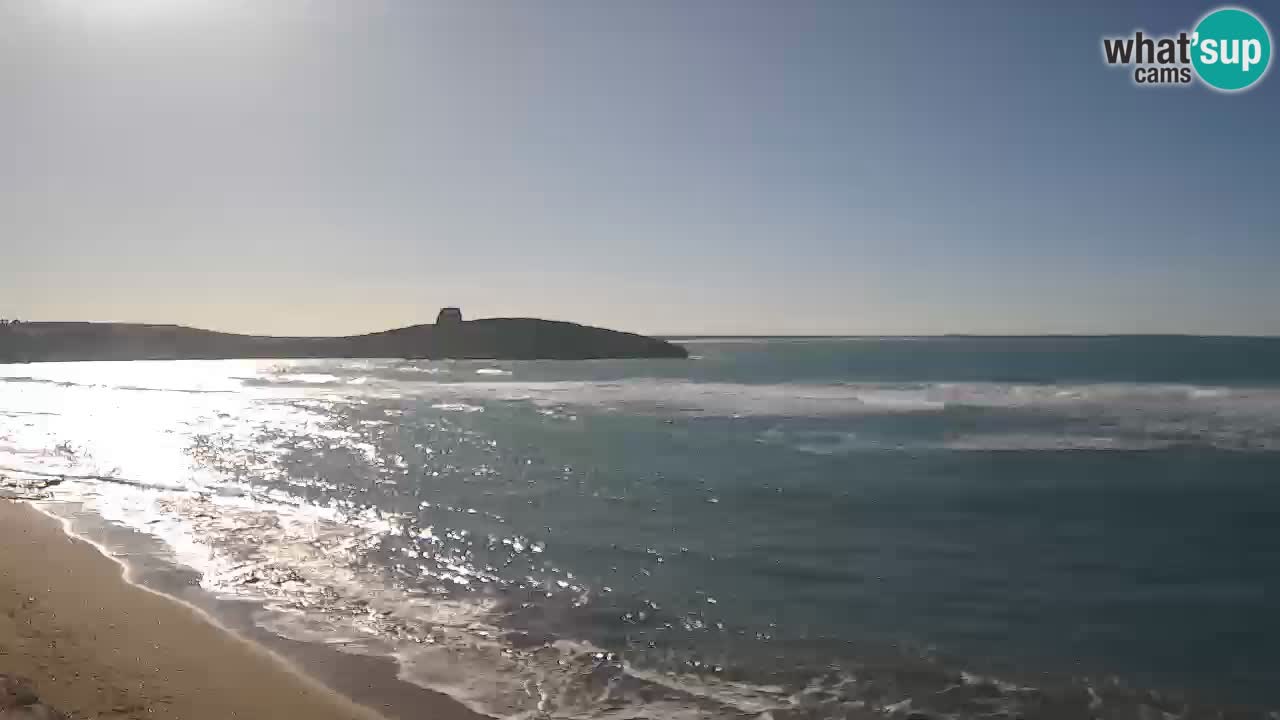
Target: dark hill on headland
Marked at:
496, 338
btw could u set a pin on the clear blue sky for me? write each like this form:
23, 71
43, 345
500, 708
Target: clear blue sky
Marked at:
329, 166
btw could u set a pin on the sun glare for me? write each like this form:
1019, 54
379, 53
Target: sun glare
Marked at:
130, 11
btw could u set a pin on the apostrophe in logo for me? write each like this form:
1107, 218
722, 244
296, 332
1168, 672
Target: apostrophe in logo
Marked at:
1229, 50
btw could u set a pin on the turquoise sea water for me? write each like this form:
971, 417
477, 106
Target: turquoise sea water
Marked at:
800, 527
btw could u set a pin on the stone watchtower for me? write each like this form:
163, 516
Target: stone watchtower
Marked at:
449, 316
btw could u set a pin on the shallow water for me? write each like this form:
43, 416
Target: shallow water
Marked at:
813, 527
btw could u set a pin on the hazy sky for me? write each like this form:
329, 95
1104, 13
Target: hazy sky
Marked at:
329, 166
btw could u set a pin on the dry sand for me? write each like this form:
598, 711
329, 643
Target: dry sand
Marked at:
95, 646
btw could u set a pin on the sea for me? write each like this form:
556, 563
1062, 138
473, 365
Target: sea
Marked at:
962, 527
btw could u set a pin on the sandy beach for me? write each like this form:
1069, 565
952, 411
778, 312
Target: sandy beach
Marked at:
95, 646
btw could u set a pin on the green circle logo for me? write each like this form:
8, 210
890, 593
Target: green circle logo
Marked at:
1231, 49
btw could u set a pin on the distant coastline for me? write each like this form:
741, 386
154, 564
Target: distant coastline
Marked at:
693, 337
449, 338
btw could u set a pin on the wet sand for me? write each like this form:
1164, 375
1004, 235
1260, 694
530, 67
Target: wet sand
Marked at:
96, 646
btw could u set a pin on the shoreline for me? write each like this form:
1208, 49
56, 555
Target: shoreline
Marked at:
103, 631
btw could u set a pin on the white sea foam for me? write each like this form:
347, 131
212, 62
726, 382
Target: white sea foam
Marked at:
1086, 416
457, 407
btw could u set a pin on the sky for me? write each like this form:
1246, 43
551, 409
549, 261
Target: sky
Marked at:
660, 166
